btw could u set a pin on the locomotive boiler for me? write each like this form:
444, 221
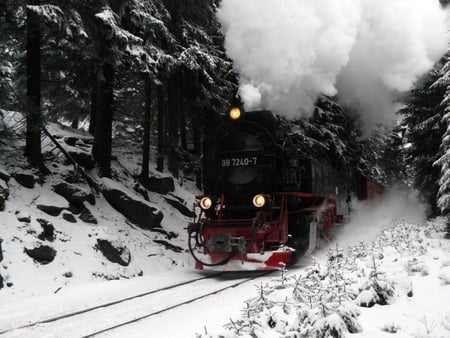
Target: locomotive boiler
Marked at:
264, 202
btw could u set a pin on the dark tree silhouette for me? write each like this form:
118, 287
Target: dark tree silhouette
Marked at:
33, 132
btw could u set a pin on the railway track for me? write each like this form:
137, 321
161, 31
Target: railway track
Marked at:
107, 317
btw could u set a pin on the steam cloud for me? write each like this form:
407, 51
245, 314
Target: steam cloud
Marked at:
365, 51
369, 220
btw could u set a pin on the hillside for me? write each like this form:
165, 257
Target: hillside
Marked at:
58, 231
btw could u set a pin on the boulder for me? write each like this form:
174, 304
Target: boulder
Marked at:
168, 245
73, 194
26, 180
49, 230
42, 254
50, 209
4, 193
161, 185
180, 207
86, 216
136, 211
69, 217
83, 158
22, 218
71, 141
4, 176
1, 282
83, 212
113, 252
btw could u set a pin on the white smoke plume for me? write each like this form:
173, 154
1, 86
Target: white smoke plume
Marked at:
369, 219
364, 51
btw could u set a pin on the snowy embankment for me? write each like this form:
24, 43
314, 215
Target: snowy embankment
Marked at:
397, 284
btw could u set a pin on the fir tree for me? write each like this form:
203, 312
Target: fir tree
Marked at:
424, 127
443, 195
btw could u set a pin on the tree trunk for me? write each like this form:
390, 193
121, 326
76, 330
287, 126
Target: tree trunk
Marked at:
94, 95
104, 116
196, 139
161, 138
146, 127
173, 107
34, 121
183, 134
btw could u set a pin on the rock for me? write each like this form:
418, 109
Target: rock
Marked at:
71, 141
141, 191
83, 212
138, 212
42, 254
26, 180
4, 194
23, 219
4, 191
76, 210
116, 254
161, 185
68, 274
167, 234
180, 207
1, 250
87, 217
50, 209
168, 245
69, 218
83, 158
49, 230
1, 282
73, 194
4, 176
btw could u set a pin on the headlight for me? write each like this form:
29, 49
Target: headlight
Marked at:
205, 203
235, 113
259, 201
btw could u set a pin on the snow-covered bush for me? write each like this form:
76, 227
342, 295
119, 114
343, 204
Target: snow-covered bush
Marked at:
322, 299
375, 290
444, 276
390, 327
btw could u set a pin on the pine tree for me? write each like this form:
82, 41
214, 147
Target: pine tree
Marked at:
443, 195
34, 119
12, 32
424, 127
393, 159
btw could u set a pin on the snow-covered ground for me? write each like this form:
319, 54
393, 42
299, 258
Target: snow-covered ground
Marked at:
387, 255
406, 264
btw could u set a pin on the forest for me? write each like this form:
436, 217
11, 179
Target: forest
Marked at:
153, 73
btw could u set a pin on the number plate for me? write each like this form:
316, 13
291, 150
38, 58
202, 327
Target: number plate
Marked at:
246, 161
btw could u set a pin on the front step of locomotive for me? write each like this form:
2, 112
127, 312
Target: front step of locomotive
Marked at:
230, 245
270, 260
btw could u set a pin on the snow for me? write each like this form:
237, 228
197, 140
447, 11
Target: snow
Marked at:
388, 254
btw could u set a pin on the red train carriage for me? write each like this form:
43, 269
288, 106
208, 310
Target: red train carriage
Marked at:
367, 189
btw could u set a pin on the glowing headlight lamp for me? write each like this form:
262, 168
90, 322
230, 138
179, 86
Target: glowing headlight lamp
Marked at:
259, 201
235, 113
205, 203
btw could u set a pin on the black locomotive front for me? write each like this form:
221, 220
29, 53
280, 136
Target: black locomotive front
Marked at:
241, 155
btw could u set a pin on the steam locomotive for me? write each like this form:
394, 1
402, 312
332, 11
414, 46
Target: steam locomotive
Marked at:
264, 202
